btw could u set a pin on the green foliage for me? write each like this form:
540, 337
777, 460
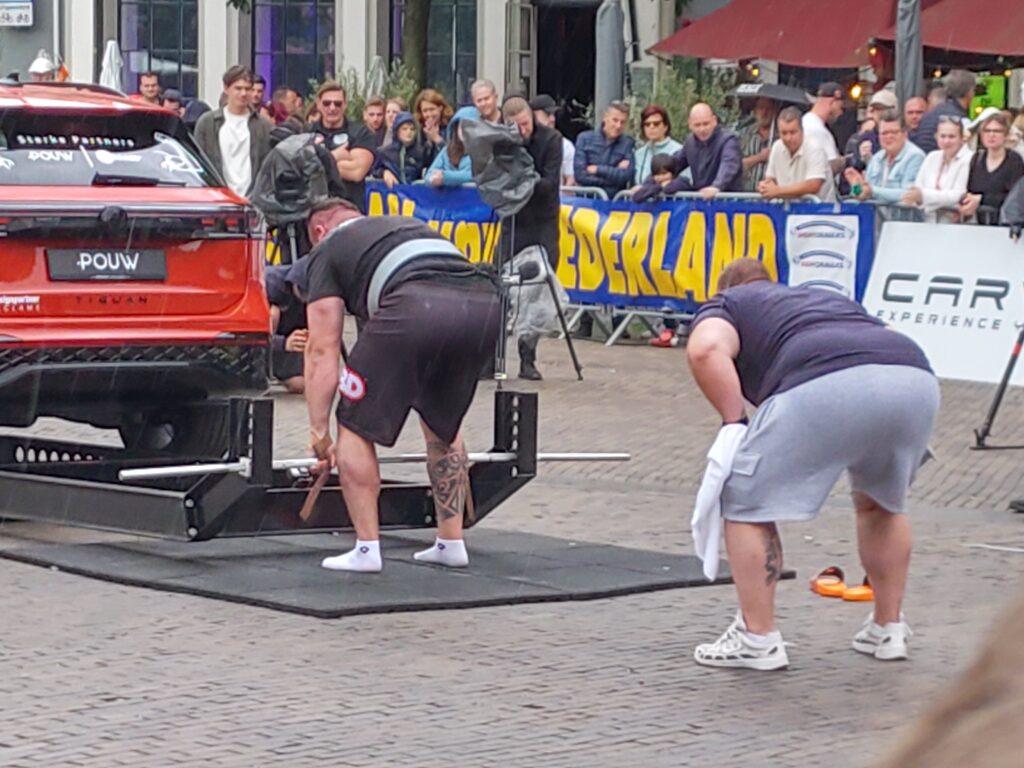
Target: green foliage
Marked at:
678, 88
389, 83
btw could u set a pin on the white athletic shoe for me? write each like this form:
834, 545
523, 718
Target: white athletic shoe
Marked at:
736, 648
888, 643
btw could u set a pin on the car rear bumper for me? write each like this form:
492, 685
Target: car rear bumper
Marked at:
99, 384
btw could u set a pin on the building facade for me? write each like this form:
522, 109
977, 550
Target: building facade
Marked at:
529, 46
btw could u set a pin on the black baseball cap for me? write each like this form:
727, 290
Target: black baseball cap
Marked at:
172, 94
544, 103
831, 88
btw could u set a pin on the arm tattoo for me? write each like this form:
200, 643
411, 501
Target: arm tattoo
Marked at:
772, 554
448, 469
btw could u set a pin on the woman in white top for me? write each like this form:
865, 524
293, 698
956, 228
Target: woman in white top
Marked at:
942, 181
656, 126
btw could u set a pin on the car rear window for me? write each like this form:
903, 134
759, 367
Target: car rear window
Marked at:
76, 149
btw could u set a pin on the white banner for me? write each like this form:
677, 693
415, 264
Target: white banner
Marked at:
823, 251
955, 289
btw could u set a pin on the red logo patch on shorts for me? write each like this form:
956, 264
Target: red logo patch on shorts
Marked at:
352, 386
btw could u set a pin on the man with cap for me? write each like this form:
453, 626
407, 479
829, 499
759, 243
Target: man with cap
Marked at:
171, 99
42, 70
430, 322
828, 106
544, 110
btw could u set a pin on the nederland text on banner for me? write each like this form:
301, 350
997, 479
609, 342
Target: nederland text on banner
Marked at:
665, 255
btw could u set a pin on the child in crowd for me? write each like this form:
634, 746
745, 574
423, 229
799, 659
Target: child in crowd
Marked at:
452, 167
400, 162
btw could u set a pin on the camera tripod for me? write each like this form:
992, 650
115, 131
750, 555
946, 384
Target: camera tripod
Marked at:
503, 254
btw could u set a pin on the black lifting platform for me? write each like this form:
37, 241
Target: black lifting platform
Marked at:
245, 493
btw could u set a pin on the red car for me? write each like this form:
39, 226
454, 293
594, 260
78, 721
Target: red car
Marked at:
131, 278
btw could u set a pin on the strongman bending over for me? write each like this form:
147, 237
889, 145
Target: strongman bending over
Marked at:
836, 390
431, 321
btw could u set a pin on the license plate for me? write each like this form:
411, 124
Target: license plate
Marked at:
106, 264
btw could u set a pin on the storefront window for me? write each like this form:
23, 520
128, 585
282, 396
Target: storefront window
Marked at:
160, 36
451, 45
293, 42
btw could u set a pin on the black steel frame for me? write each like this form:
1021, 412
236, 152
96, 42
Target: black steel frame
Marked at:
77, 485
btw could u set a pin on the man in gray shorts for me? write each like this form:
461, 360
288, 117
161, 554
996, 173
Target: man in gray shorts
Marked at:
836, 390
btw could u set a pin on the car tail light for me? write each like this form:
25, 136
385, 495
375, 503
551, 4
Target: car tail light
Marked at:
246, 222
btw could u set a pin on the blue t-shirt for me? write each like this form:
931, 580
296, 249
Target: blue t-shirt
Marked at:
789, 336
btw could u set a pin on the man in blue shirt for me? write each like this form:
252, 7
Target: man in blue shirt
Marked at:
604, 156
892, 169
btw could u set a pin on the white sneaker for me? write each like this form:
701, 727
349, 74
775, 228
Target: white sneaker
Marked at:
888, 643
736, 648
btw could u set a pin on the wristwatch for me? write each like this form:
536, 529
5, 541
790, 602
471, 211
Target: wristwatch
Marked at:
742, 420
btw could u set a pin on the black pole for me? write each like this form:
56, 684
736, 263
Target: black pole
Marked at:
980, 435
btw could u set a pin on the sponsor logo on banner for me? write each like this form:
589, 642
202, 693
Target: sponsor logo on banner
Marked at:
957, 291
822, 251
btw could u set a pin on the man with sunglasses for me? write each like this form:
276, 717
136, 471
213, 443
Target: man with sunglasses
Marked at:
350, 143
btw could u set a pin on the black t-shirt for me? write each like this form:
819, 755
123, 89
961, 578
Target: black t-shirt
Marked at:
344, 262
994, 186
355, 136
789, 336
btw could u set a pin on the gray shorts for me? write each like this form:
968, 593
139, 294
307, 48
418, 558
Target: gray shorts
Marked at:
872, 420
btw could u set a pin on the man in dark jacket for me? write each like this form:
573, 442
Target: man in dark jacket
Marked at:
710, 152
959, 91
537, 222
604, 156
234, 137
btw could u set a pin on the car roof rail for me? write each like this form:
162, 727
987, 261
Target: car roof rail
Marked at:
93, 87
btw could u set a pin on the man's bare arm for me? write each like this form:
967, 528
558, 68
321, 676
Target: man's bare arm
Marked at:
325, 319
353, 164
712, 349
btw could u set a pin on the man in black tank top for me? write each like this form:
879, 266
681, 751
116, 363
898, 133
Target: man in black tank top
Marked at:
429, 321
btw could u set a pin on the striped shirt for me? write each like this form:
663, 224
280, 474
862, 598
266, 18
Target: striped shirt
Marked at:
752, 142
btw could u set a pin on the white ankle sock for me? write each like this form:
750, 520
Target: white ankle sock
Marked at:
363, 557
449, 552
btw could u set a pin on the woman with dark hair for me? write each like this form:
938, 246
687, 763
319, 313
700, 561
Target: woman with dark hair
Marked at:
993, 173
433, 114
452, 167
656, 126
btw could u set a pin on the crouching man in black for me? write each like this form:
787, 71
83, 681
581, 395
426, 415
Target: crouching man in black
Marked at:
431, 322
288, 323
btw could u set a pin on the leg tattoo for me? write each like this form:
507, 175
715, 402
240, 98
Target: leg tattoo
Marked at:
772, 555
448, 469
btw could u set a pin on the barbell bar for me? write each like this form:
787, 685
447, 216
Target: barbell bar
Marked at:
243, 466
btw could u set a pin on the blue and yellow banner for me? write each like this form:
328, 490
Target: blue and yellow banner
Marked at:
664, 255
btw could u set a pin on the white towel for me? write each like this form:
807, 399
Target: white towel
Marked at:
706, 524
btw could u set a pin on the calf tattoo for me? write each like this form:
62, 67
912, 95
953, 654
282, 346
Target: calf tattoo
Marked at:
448, 469
772, 555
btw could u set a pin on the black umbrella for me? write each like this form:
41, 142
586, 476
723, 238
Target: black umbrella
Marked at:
785, 94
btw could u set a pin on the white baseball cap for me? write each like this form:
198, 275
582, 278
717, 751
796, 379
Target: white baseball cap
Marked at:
41, 65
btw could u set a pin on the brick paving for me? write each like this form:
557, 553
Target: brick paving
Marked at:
94, 674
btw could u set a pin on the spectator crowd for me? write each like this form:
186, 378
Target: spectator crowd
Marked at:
927, 159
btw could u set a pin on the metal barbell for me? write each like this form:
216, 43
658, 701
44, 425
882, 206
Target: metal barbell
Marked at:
243, 466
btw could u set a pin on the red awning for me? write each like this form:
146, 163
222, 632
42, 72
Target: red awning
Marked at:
807, 33
972, 26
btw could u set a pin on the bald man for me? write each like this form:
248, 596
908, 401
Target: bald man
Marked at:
712, 154
913, 111
430, 323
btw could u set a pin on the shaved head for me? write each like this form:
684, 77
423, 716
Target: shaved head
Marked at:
702, 121
328, 215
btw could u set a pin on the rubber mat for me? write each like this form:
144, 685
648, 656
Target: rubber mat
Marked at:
284, 574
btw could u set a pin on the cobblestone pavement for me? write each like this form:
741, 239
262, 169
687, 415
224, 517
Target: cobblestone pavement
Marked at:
95, 674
